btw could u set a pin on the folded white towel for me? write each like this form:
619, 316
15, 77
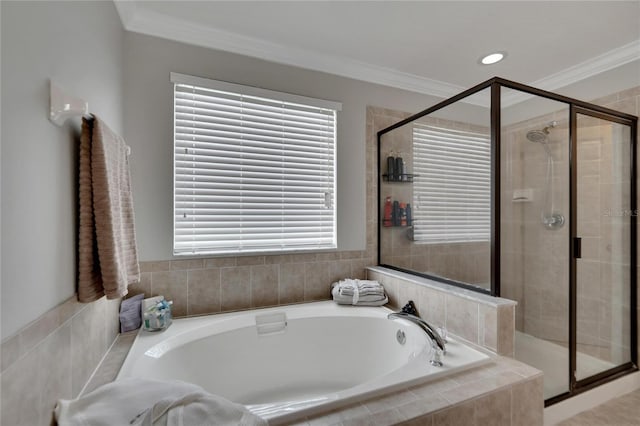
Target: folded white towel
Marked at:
142, 402
366, 301
351, 291
359, 292
360, 284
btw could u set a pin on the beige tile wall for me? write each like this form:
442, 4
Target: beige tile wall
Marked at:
483, 320
535, 261
208, 286
53, 358
626, 101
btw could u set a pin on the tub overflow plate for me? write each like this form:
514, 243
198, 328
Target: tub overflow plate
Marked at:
401, 337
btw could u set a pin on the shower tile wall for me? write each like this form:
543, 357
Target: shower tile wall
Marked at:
612, 328
603, 271
534, 267
534, 259
466, 262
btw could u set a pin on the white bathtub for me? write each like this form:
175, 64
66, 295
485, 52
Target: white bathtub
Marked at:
326, 356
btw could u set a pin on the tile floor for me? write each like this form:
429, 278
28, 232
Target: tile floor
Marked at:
621, 411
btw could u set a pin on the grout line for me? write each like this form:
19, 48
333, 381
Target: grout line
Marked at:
104, 356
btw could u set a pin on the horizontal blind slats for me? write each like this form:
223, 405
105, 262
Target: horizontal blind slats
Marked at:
251, 174
452, 188
230, 140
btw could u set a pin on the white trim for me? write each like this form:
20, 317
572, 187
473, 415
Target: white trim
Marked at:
607, 61
145, 21
208, 83
148, 22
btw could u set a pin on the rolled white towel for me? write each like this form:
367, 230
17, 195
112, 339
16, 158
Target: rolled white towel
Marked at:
367, 301
361, 284
359, 292
349, 287
350, 291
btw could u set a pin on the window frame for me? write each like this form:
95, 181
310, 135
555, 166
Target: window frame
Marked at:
291, 100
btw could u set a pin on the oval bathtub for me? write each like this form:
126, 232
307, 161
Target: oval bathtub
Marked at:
286, 362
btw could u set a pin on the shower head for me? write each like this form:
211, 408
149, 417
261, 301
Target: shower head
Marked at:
540, 136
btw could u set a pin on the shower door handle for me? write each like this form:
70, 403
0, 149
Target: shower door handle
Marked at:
577, 247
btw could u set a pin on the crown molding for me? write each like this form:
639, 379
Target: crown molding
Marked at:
145, 21
607, 61
148, 22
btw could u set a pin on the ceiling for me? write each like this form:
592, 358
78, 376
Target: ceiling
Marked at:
427, 47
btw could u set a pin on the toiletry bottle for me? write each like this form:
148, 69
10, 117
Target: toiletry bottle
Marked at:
386, 218
391, 167
403, 214
400, 169
396, 214
409, 214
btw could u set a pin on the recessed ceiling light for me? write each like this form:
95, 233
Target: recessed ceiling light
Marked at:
492, 58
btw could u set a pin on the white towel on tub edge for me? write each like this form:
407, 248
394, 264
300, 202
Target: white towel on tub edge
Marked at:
143, 402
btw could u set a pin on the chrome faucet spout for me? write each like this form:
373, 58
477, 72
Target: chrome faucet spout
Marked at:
433, 334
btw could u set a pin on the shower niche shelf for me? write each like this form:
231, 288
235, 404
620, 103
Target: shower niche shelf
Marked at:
403, 178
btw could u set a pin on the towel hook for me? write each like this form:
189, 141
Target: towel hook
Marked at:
63, 106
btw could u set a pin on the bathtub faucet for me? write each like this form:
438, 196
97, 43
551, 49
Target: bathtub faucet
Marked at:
437, 342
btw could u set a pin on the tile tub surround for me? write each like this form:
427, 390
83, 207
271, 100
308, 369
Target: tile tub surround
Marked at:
502, 392
209, 286
54, 357
483, 320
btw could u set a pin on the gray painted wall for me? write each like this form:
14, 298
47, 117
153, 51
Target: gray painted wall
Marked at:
148, 127
78, 45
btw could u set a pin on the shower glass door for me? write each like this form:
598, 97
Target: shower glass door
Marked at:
602, 247
535, 223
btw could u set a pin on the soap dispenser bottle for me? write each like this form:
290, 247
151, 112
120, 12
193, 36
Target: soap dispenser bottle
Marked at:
386, 217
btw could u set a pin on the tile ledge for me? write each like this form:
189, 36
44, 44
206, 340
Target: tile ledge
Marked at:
445, 288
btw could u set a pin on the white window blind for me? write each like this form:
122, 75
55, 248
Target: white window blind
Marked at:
452, 192
254, 170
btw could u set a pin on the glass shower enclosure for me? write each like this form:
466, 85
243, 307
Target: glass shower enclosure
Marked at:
525, 194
